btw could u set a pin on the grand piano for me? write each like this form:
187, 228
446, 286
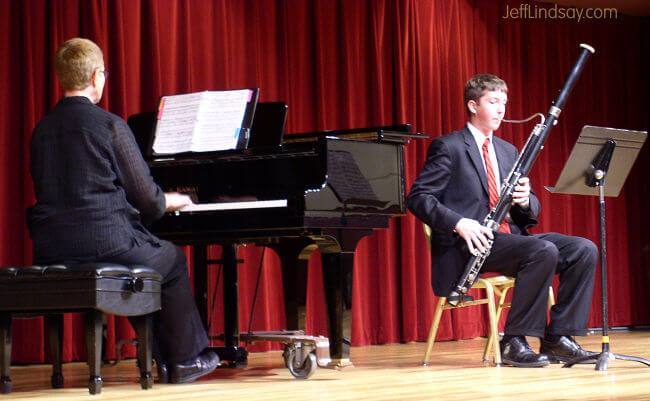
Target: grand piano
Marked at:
323, 190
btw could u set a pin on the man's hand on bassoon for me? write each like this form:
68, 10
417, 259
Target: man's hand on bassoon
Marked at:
521, 193
475, 235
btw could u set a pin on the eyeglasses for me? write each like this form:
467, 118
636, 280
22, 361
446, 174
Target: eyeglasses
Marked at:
105, 73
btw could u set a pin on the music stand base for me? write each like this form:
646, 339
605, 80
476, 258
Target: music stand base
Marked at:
603, 359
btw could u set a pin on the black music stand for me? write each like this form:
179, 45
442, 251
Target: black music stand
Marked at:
598, 153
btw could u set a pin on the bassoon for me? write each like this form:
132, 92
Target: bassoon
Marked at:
522, 166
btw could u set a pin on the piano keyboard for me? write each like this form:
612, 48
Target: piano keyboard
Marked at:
208, 207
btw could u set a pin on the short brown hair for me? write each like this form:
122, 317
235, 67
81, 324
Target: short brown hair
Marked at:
75, 63
478, 84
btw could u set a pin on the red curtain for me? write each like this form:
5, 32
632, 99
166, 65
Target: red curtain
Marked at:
343, 64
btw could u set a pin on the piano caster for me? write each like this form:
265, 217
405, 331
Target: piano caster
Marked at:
302, 354
301, 362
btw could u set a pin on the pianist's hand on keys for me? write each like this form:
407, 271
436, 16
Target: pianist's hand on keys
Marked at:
175, 201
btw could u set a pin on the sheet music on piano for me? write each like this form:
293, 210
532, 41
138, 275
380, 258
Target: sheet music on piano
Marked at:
204, 121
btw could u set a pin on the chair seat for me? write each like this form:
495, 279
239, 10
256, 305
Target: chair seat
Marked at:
495, 280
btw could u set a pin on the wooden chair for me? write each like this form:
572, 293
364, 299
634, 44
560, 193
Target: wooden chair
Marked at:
92, 289
498, 285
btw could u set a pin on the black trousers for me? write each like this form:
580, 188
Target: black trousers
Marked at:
179, 333
534, 260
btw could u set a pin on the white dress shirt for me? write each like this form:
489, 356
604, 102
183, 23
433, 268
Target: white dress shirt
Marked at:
479, 137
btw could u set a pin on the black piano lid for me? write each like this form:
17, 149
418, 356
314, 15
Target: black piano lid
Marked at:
388, 133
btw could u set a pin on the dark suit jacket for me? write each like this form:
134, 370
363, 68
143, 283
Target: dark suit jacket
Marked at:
93, 189
453, 185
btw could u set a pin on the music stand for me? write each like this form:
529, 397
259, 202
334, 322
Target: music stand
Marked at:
598, 153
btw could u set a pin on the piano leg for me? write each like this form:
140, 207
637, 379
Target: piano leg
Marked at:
338, 263
230, 296
335, 268
231, 354
294, 255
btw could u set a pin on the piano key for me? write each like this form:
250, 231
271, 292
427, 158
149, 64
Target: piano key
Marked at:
207, 207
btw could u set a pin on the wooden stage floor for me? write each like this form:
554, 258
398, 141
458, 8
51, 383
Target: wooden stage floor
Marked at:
385, 372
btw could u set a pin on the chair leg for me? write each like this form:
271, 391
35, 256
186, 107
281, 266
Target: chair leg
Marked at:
54, 326
502, 299
5, 353
93, 323
144, 329
434, 329
494, 333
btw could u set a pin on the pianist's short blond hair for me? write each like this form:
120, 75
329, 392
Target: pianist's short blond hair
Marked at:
75, 63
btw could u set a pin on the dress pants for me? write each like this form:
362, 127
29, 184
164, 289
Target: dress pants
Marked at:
534, 260
179, 333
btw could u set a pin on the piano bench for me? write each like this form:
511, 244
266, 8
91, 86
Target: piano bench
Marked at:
92, 289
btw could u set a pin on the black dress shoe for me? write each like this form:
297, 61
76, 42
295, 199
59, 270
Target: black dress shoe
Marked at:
566, 349
192, 369
516, 352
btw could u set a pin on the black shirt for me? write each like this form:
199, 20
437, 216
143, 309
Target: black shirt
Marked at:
93, 189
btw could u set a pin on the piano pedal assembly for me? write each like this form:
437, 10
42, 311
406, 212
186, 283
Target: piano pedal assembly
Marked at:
302, 353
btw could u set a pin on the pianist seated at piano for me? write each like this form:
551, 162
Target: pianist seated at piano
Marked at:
94, 193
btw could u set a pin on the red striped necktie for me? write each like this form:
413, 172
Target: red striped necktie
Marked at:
492, 183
